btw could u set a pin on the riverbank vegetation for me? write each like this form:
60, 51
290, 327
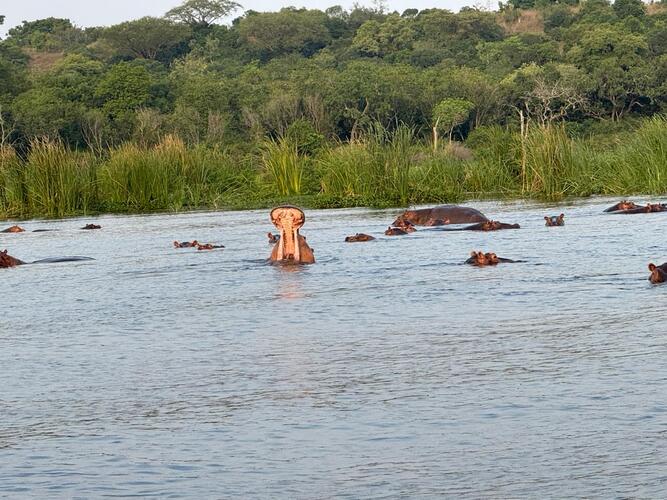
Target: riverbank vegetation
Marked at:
333, 108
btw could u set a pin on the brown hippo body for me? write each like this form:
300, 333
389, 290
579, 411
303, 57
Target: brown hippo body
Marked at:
13, 229
658, 273
208, 246
89, 227
554, 220
292, 246
491, 225
359, 237
305, 256
441, 215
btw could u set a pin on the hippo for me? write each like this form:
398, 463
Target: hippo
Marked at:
441, 215
395, 231
623, 206
406, 226
7, 260
186, 244
208, 246
91, 226
658, 273
359, 237
489, 225
555, 220
481, 259
629, 207
273, 238
651, 207
13, 229
292, 246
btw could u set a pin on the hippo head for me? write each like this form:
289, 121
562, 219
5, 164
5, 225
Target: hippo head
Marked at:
491, 258
7, 260
490, 225
555, 220
658, 273
477, 259
405, 225
14, 229
288, 220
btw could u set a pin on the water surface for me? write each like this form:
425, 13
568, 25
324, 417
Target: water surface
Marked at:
388, 369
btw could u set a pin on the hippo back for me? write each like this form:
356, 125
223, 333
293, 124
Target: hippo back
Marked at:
442, 214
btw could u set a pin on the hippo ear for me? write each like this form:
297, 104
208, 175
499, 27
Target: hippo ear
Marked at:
546, 218
651, 267
562, 216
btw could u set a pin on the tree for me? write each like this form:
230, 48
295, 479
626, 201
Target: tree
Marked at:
50, 34
625, 8
545, 94
273, 34
125, 88
447, 114
202, 12
42, 112
377, 39
147, 37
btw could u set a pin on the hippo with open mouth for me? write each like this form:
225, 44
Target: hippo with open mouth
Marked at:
7, 260
441, 215
291, 246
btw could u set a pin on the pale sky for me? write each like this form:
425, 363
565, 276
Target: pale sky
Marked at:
85, 13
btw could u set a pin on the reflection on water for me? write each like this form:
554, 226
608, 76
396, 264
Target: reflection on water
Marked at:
386, 369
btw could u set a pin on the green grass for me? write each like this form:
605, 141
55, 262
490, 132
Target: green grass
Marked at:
383, 168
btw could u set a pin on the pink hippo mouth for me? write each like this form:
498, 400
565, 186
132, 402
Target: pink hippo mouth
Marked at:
288, 220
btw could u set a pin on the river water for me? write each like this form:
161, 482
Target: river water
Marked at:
388, 369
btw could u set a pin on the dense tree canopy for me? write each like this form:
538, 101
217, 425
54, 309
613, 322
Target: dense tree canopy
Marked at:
331, 73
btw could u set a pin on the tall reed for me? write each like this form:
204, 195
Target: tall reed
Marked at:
12, 192
639, 164
284, 166
58, 181
549, 162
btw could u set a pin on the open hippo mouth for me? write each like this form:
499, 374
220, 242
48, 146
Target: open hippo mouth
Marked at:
288, 220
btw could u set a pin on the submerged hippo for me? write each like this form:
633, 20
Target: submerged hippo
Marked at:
490, 225
209, 246
629, 207
441, 215
481, 259
7, 260
359, 237
406, 226
91, 226
186, 244
395, 231
13, 229
658, 273
273, 238
292, 246
554, 220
